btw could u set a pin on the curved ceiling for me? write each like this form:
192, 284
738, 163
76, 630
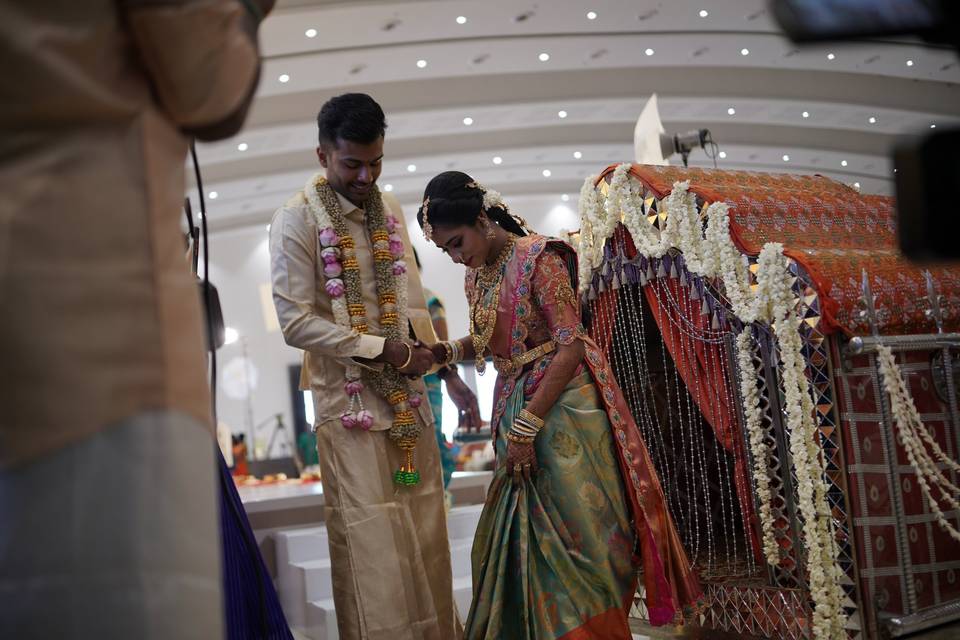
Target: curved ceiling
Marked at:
553, 90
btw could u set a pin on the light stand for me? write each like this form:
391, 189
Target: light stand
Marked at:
280, 430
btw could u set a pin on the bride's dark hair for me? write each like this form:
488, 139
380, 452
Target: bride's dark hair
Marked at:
453, 203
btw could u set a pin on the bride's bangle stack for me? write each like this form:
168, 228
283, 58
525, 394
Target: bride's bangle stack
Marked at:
525, 428
454, 351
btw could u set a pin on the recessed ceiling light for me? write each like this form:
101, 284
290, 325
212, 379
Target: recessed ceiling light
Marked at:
872, 120
933, 126
411, 168
561, 114
546, 173
388, 187
722, 154
242, 146
468, 121
284, 78
577, 155
461, 19
856, 185
565, 197
544, 57
744, 51
843, 163
421, 64
805, 114
731, 111
830, 56
704, 13
786, 158
909, 63
213, 195
591, 15
311, 33
497, 159
649, 52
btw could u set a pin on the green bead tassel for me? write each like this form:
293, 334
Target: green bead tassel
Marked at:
407, 475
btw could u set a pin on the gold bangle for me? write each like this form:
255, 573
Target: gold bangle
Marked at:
448, 350
536, 421
512, 437
409, 355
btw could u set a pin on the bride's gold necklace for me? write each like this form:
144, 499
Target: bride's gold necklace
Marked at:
483, 317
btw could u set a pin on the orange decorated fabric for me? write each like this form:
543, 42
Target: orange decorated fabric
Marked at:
833, 232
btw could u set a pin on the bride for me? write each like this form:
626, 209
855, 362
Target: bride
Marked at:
575, 503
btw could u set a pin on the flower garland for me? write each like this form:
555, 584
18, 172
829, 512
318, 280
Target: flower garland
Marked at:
711, 253
758, 446
912, 434
344, 286
587, 250
774, 281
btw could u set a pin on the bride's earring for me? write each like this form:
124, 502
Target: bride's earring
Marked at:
488, 228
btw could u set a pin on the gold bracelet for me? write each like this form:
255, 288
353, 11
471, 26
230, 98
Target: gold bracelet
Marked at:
534, 420
448, 349
409, 356
512, 437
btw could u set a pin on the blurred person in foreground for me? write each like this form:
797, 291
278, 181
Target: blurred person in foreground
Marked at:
108, 494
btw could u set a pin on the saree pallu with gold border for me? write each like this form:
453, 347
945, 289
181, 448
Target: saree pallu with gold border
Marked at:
554, 558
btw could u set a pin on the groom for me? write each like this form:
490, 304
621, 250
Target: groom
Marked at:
346, 292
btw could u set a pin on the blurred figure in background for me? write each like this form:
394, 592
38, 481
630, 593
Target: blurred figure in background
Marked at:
108, 495
434, 385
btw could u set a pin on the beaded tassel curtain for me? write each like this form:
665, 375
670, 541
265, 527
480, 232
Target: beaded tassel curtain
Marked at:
671, 354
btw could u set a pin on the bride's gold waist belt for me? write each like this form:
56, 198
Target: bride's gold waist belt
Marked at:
510, 365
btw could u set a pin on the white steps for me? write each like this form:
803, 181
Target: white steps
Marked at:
304, 579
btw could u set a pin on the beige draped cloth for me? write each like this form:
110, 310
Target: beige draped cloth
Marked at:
108, 503
388, 544
99, 314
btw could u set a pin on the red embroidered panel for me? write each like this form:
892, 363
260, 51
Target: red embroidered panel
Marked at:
903, 554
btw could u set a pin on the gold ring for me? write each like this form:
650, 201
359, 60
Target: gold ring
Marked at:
526, 466
516, 467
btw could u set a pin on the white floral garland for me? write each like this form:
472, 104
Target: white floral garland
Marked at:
339, 303
712, 253
912, 434
589, 257
818, 538
758, 446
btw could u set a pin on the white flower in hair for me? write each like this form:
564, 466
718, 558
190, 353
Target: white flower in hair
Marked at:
492, 199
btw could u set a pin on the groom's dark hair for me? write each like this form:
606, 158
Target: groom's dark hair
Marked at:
355, 117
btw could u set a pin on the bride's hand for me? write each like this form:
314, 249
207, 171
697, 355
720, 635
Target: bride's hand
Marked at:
521, 461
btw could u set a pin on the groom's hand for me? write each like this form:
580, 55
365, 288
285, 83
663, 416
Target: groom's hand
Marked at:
421, 361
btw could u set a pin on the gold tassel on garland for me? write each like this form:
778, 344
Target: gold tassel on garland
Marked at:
404, 432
